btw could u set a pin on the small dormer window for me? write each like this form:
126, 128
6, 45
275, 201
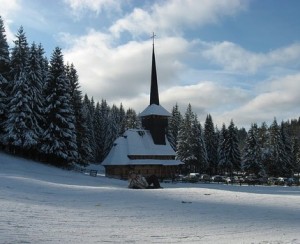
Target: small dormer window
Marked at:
141, 133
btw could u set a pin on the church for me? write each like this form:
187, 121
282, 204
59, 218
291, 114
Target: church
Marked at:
146, 151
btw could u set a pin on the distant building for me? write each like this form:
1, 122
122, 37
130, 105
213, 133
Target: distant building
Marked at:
146, 150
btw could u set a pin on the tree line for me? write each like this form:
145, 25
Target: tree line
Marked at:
262, 151
44, 116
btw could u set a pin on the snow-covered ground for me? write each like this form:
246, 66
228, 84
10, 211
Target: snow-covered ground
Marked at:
43, 204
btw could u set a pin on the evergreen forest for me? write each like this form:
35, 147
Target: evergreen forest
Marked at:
45, 117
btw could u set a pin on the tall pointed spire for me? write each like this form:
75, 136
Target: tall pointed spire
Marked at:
154, 98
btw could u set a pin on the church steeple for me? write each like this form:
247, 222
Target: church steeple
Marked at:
155, 117
154, 98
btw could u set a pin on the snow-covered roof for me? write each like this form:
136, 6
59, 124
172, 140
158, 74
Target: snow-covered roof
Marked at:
137, 147
155, 109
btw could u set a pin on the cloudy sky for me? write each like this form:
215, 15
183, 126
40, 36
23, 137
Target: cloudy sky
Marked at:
234, 59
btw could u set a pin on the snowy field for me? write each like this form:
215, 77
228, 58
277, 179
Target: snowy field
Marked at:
43, 204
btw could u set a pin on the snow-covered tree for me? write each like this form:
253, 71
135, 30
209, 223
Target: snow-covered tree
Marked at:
131, 120
277, 162
113, 130
83, 145
122, 119
296, 155
232, 148
101, 126
198, 146
211, 143
4, 53
59, 144
222, 156
4, 77
36, 84
287, 142
19, 128
174, 126
88, 114
229, 154
252, 154
185, 151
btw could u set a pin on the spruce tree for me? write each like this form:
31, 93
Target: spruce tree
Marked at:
101, 126
4, 54
113, 130
198, 146
211, 143
131, 120
277, 163
4, 77
173, 127
88, 114
122, 118
222, 155
36, 102
252, 154
59, 144
19, 128
82, 141
295, 155
232, 148
185, 152
287, 142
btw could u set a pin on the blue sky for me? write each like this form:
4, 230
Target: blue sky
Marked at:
234, 59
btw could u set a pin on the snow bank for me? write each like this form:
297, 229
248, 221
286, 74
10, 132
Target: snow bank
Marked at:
43, 204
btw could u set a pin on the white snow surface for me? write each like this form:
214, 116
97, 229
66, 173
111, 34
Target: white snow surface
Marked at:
44, 204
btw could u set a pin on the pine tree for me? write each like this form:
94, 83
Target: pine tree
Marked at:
229, 153
88, 114
19, 126
211, 143
131, 120
185, 152
43, 63
173, 127
277, 163
113, 130
252, 156
4, 77
287, 142
101, 128
198, 146
232, 148
122, 118
222, 155
82, 141
4, 53
35, 93
59, 144
295, 155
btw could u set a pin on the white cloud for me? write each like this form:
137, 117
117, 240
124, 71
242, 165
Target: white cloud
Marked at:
80, 6
123, 72
8, 6
7, 10
173, 16
279, 98
234, 58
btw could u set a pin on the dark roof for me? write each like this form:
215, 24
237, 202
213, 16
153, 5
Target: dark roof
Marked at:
154, 98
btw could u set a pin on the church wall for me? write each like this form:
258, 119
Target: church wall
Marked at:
121, 172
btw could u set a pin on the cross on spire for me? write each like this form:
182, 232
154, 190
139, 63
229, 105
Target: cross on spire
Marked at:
153, 36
